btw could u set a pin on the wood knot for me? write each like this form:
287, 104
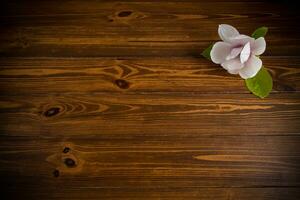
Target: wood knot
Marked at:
52, 111
23, 42
122, 84
66, 150
124, 13
69, 162
56, 173
283, 87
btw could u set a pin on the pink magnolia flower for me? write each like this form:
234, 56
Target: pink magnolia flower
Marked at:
238, 53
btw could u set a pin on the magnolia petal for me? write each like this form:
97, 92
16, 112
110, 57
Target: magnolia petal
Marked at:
232, 65
226, 32
219, 52
251, 67
245, 53
234, 53
233, 71
241, 40
259, 46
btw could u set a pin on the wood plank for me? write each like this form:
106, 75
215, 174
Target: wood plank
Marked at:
140, 74
153, 113
97, 28
149, 164
161, 194
112, 100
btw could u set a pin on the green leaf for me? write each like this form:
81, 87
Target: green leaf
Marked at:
260, 32
206, 52
261, 84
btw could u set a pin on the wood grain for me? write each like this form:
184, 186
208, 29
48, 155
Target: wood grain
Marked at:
150, 167
140, 74
151, 162
172, 193
112, 100
93, 28
161, 113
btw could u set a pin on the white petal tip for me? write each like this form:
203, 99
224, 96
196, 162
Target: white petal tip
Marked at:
219, 52
259, 46
251, 68
227, 31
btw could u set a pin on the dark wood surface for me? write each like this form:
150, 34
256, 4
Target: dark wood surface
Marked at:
112, 100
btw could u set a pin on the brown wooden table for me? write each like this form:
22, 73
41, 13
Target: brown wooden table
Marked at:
112, 100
